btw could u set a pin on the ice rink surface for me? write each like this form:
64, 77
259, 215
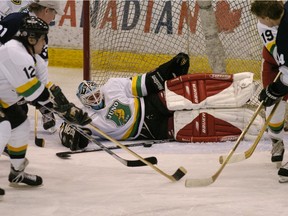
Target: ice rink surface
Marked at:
96, 184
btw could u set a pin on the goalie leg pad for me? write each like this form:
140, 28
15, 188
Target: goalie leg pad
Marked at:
71, 138
196, 91
214, 125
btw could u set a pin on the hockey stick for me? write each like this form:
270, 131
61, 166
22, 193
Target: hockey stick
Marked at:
245, 155
67, 154
213, 178
38, 141
180, 172
128, 163
242, 156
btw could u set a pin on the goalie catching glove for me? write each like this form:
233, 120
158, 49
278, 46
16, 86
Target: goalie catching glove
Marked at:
66, 109
73, 139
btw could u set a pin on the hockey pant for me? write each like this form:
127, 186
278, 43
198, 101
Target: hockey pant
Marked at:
158, 120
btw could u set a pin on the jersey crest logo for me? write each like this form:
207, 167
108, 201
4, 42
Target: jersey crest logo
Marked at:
16, 2
119, 113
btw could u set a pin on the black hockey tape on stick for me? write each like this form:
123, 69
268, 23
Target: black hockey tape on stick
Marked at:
40, 142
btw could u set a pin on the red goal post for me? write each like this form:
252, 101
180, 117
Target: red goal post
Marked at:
129, 37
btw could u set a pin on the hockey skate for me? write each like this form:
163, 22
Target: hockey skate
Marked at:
2, 193
49, 122
277, 152
283, 173
177, 66
19, 176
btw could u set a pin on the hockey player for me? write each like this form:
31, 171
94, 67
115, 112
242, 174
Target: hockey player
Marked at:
267, 29
272, 25
8, 6
46, 10
166, 104
18, 79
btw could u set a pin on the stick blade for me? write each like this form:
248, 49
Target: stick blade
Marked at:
198, 182
39, 142
234, 158
63, 155
136, 163
180, 172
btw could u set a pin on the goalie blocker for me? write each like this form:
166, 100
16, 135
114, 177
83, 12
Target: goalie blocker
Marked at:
214, 106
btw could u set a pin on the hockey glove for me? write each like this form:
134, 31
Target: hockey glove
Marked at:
273, 93
66, 109
73, 114
73, 139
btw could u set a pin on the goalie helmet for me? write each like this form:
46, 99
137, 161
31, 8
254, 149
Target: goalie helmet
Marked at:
90, 95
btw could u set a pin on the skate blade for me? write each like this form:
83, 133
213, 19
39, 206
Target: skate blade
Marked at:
23, 185
283, 179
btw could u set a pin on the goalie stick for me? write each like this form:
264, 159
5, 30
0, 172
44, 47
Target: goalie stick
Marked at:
67, 154
180, 172
40, 142
248, 153
128, 163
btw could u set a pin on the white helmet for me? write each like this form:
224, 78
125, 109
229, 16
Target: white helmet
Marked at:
90, 95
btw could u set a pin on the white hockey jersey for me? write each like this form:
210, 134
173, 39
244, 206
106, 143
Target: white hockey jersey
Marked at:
10, 6
123, 115
268, 37
17, 75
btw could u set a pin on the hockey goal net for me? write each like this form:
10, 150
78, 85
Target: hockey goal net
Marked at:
123, 38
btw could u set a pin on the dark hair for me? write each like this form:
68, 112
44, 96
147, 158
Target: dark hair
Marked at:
270, 9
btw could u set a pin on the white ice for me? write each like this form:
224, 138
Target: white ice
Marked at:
96, 184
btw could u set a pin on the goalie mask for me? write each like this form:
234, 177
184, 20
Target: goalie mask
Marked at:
90, 95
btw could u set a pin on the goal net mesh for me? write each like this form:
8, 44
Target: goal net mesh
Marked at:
133, 37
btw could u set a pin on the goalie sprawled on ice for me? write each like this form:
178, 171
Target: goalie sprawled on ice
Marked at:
167, 103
